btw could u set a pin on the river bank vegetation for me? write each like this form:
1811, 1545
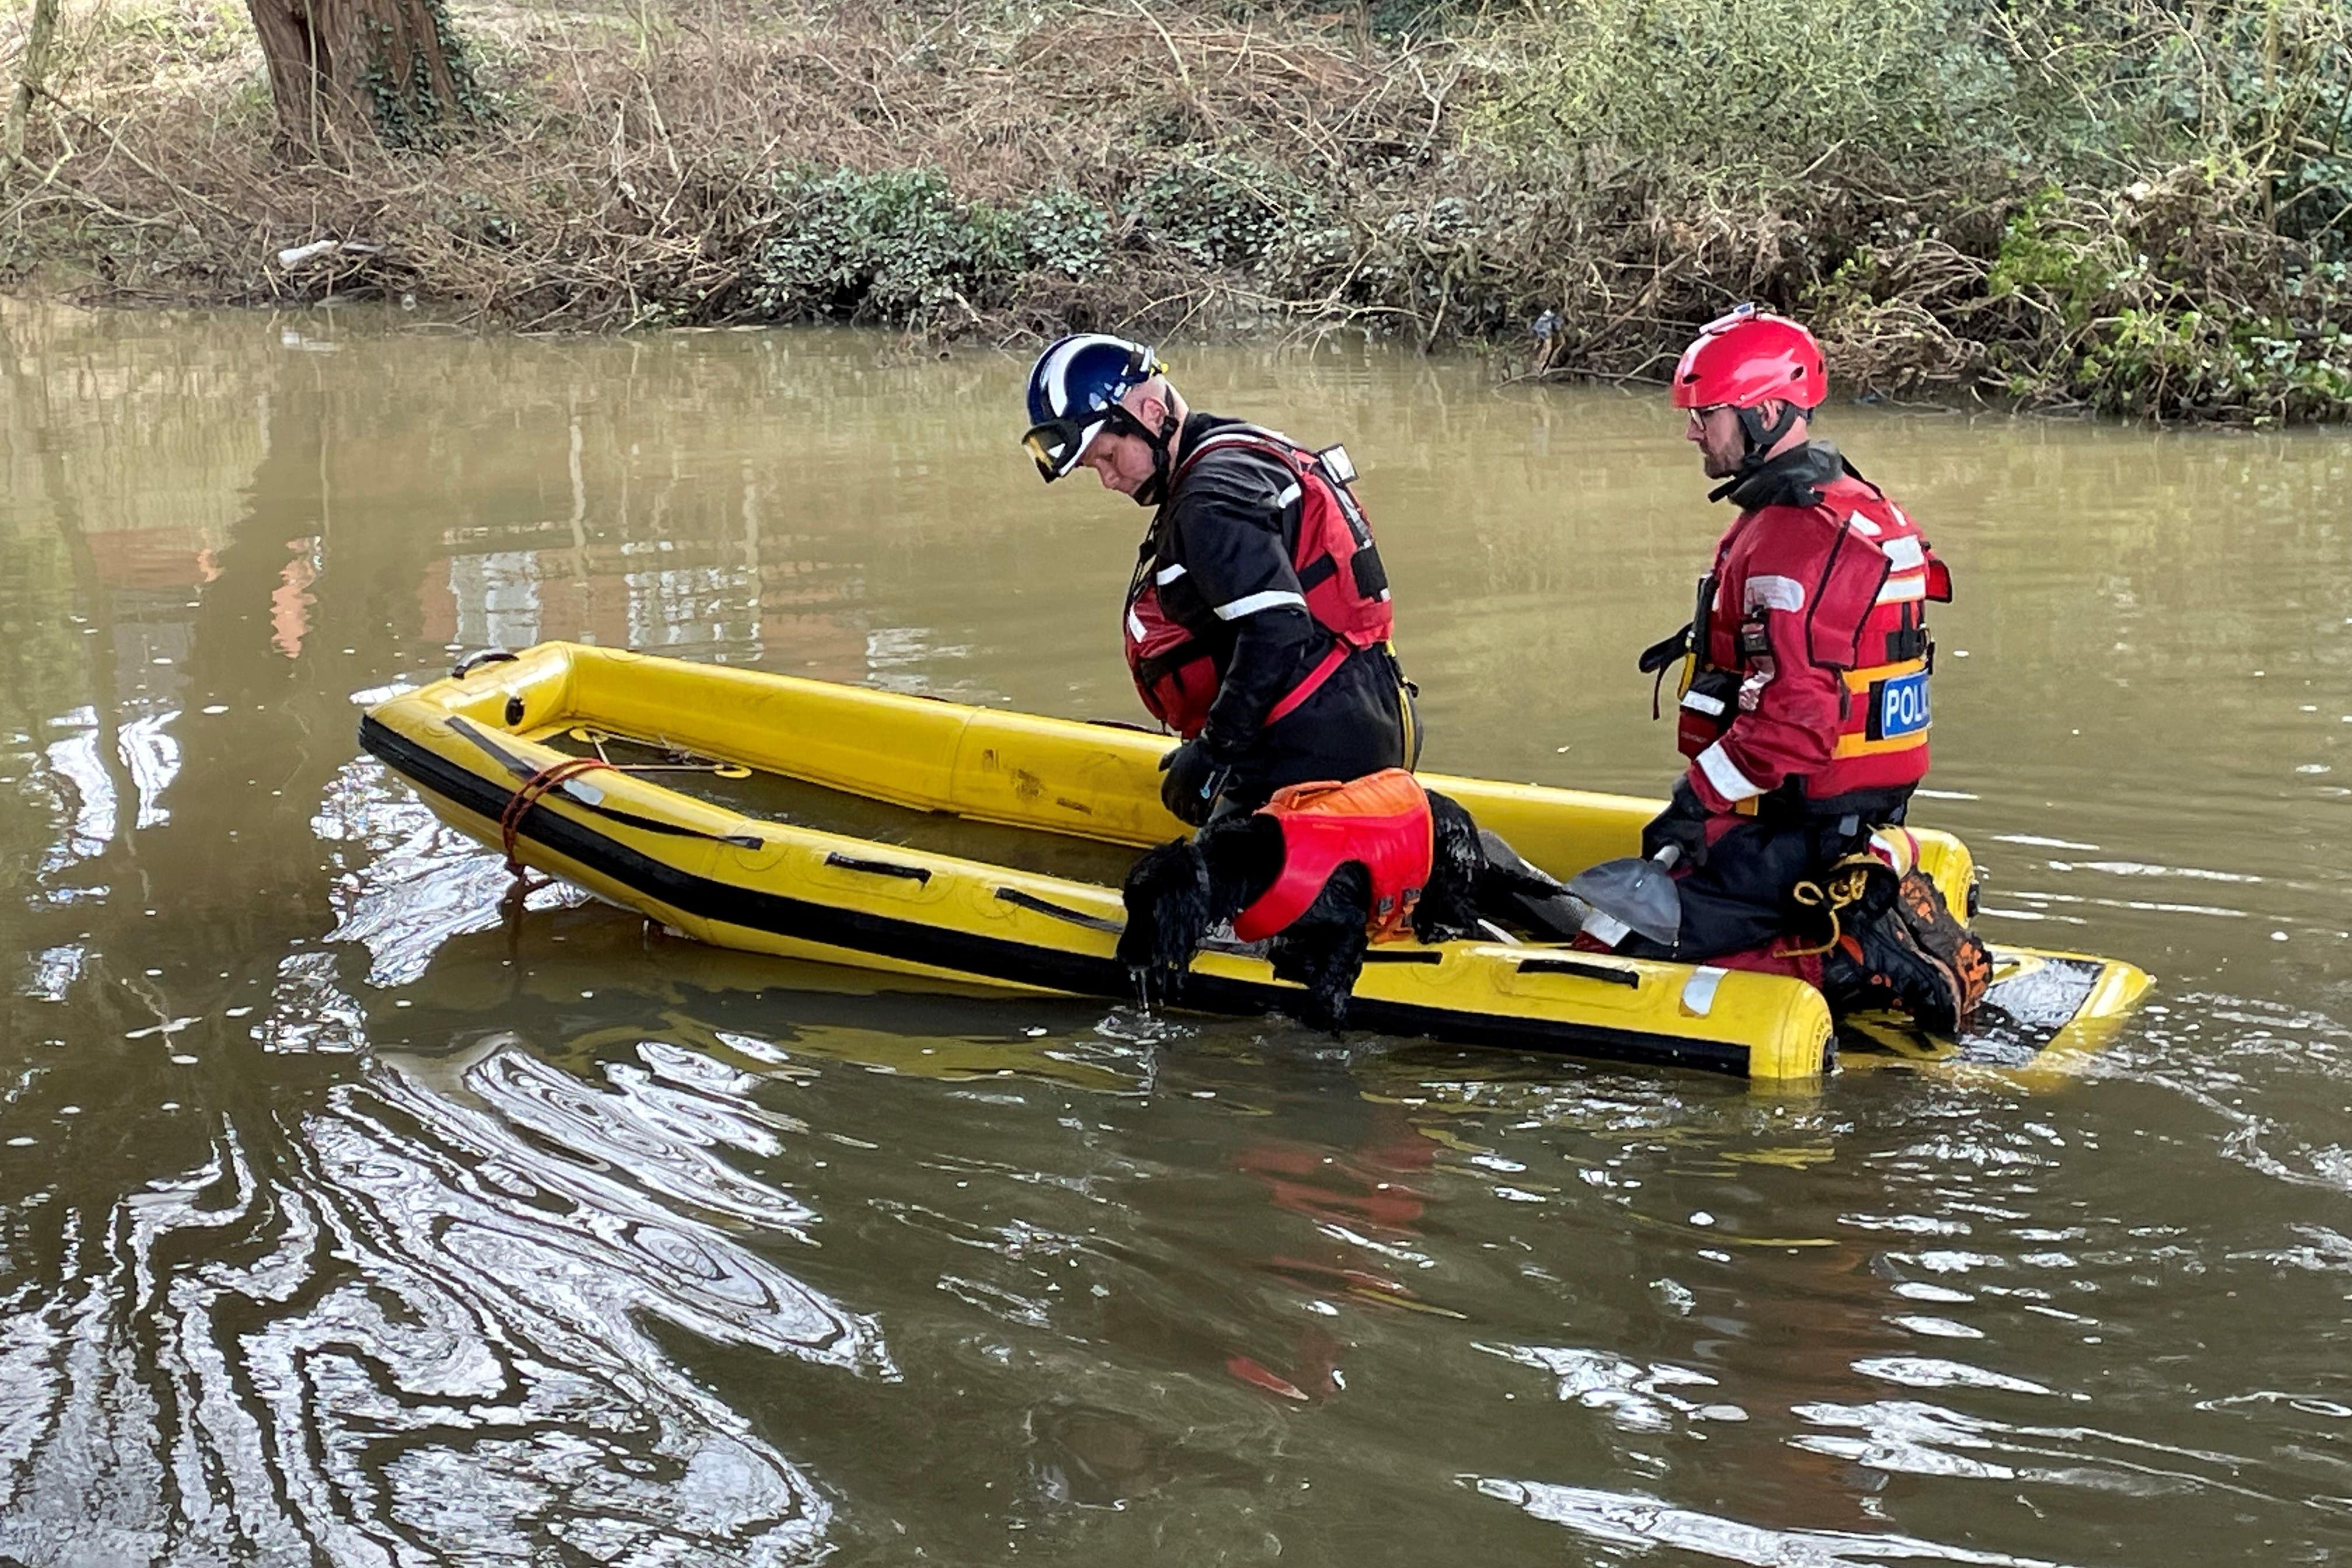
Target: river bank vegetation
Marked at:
2134, 206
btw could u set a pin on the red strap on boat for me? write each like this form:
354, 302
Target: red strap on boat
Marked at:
1312, 684
553, 776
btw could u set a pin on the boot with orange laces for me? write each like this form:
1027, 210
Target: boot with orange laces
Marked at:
1917, 955
1900, 944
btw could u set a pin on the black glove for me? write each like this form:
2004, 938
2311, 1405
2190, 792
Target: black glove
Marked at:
1189, 790
1681, 824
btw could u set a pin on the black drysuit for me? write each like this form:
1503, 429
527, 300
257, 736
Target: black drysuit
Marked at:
1221, 552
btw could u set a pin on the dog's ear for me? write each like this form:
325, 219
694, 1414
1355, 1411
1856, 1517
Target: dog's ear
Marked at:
1167, 898
1243, 856
1323, 949
1449, 902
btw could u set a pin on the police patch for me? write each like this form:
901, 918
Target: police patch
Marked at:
1898, 707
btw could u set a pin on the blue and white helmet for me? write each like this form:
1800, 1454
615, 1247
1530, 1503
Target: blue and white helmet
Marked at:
1074, 392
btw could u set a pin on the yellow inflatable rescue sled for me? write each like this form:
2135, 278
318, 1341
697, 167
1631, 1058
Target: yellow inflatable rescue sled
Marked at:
966, 845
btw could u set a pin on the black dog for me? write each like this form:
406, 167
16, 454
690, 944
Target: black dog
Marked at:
1177, 892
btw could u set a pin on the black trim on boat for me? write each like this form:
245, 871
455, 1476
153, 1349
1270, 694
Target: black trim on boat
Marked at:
466, 667
1019, 900
1035, 905
988, 957
918, 874
1611, 973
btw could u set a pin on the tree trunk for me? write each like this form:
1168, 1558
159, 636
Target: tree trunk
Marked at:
31, 80
394, 68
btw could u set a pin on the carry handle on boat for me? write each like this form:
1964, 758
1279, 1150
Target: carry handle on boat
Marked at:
472, 662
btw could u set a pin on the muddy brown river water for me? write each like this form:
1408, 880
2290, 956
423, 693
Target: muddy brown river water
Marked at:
343, 1221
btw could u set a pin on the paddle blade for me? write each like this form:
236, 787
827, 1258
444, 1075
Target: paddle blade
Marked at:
1637, 893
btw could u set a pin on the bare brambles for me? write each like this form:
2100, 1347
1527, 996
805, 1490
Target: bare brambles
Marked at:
2131, 205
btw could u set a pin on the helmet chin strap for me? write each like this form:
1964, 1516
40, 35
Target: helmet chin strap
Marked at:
1763, 437
1152, 491
1760, 439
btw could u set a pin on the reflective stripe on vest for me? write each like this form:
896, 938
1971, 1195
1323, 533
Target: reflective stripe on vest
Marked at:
1336, 560
1881, 736
1339, 570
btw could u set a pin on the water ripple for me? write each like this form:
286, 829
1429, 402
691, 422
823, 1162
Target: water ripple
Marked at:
1624, 1518
409, 883
639, 1135
1636, 1396
1916, 1438
418, 1337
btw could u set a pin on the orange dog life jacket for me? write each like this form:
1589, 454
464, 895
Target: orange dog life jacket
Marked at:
1381, 821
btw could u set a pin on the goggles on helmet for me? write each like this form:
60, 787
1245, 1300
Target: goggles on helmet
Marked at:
1056, 445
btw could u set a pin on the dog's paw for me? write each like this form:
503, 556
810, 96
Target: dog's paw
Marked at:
1323, 951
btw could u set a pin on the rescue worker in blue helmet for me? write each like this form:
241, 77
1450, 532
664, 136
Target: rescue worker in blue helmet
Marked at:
1256, 624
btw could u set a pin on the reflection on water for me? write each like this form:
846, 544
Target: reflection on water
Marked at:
348, 1216
421, 1329
1641, 1523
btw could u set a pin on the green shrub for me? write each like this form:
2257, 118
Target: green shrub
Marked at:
2133, 86
899, 245
1221, 210
2134, 206
2170, 297
1753, 85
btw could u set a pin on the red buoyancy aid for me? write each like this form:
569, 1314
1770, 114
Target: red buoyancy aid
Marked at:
1175, 679
1866, 618
1338, 565
1381, 821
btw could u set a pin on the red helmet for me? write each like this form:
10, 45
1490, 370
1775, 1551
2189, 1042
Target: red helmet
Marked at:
1748, 357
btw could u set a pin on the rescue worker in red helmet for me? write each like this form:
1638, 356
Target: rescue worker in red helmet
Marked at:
1257, 621
1803, 710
